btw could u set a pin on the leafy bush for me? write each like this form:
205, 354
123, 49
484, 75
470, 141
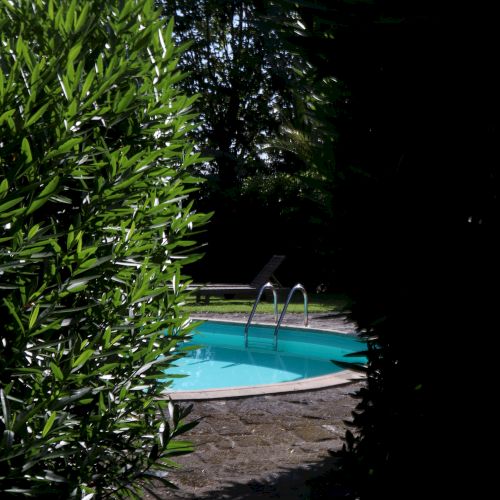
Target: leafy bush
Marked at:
94, 218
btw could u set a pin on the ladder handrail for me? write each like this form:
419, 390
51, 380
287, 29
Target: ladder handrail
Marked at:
257, 300
300, 287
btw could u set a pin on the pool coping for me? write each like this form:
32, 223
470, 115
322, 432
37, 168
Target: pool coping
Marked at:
270, 323
307, 384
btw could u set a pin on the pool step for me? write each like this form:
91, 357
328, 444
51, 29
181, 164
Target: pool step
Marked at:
261, 343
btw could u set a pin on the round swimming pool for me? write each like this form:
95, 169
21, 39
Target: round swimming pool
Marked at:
222, 362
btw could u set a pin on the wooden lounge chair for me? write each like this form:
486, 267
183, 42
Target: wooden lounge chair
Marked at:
230, 289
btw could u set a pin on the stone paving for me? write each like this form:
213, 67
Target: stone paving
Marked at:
264, 446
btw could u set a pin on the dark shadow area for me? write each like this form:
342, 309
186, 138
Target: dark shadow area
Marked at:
412, 235
314, 481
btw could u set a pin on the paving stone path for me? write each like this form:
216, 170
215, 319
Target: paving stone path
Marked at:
263, 446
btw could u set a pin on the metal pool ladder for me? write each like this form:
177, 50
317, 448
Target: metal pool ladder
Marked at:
265, 286
298, 286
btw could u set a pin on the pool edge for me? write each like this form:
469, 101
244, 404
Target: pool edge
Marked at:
319, 329
307, 384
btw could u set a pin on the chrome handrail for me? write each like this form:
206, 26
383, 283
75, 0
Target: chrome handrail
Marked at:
261, 291
298, 286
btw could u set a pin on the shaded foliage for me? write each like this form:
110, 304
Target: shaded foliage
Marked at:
95, 221
415, 210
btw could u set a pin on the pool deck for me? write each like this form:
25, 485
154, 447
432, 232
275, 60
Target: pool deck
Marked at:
266, 446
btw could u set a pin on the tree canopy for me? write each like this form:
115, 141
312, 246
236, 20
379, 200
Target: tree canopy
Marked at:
252, 89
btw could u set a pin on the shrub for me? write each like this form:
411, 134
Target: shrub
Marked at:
94, 222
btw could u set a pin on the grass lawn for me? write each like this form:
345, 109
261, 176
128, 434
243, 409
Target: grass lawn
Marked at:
318, 303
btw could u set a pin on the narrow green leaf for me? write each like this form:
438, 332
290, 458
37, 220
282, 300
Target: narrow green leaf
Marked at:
61, 199
126, 100
116, 339
88, 83
83, 358
42, 198
12, 310
56, 371
186, 427
50, 10
7, 115
169, 30
35, 371
49, 423
100, 65
34, 316
107, 337
63, 148
8, 204
68, 24
102, 404
80, 283
126, 183
74, 51
92, 263
19, 45
83, 17
70, 237
4, 187
33, 231
125, 11
180, 447
35, 74
34, 118
53, 243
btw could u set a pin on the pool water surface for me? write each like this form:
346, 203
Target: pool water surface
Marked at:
223, 361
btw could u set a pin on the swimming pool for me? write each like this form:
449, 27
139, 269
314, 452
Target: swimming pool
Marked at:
222, 363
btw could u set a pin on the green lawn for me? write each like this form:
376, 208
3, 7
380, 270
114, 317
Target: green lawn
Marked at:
318, 303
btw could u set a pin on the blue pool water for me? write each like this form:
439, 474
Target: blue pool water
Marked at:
223, 361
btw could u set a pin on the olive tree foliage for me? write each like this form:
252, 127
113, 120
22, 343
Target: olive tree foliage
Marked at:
95, 223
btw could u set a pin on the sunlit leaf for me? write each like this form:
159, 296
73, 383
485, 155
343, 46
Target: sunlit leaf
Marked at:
56, 371
42, 198
9, 204
83, 358
37, 115
34, 316
49, 423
